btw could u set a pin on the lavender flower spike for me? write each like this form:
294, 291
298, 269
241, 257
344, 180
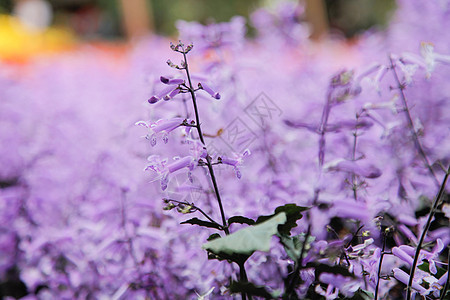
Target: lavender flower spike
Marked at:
171, 81
209, 90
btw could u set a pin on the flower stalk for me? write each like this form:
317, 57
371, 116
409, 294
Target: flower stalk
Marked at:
436, 203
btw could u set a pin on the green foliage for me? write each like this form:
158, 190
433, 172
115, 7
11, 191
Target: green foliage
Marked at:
293, 245
425, 266
197, 221
213, 237
248, 240
293, 214
241, 220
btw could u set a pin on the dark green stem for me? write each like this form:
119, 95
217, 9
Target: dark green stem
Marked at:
424, 233
202, 139
379, 266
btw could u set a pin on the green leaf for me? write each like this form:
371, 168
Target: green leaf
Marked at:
293, 214
213, 237
196, 221
366, 295
425, 266
241, 220
250, 289
293, 245
249, 239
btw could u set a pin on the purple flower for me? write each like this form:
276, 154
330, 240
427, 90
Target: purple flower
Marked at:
171, 81
346, 285
235, 162
209, 90
351, 209
172, 94
161, 126
403, 277
402, 255
185, 162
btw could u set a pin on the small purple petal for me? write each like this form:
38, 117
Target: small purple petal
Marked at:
153, 140
229, 161
403, 277
166, 125
153, 99
170, 81
164, 92
209, 90
141, 123
238, 173
165, 137
164, 181
402, 255
180, 163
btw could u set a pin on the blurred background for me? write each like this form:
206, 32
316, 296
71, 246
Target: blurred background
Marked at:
28, 27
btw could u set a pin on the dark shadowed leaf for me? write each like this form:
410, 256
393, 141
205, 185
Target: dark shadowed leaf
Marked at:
196, 221
324, 268
241, 220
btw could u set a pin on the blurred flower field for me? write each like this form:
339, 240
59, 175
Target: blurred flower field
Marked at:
354, 134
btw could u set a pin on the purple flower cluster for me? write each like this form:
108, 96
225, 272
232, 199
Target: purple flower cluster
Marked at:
359, 136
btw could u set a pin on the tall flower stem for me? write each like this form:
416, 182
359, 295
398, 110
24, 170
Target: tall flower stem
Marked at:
424, 233
411, 124
379, 266
202, 139
322, 128
242, 272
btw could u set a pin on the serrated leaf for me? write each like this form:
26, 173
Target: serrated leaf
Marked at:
196, 221
293, 214
241, 220
248, 240
250, 289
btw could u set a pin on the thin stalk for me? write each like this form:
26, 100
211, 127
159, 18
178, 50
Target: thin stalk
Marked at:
322, 128
354, 178
444, 290
196, 208
202, 139
379, 267
243, 278
242, 272
424, 233
296, 275
411, 124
